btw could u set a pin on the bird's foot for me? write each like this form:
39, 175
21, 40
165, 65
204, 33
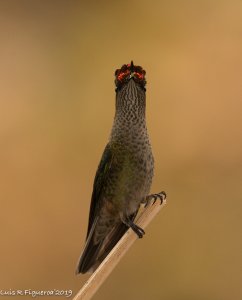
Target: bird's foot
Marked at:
153, 197
138, 230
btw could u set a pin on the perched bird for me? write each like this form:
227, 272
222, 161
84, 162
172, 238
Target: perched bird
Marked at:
124, 174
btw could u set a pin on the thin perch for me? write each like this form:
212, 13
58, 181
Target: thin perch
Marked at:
98, 277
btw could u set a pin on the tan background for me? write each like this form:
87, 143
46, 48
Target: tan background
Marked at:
57, 60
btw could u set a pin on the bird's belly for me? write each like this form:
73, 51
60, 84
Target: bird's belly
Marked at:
129, 180
134, 185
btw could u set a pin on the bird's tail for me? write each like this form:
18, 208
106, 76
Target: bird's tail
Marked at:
94, 253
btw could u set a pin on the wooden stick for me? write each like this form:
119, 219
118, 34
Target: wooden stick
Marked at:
98, 277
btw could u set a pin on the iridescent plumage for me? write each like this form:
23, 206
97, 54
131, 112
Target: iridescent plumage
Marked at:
124, 175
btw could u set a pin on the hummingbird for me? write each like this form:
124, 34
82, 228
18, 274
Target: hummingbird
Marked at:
124, 175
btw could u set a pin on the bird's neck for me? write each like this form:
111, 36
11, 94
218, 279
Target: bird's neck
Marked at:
129, 122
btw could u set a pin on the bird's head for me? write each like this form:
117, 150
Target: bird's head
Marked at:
130, 72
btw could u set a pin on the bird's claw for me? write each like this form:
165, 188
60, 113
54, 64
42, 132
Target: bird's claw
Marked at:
161, 196
138, 230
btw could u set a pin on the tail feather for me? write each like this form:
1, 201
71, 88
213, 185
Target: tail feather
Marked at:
112, 239
88, 258
94, 254
89, 253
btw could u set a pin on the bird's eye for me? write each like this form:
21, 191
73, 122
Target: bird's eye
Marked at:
123, 75
139, 75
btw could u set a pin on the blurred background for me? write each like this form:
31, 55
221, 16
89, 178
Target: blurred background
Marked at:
57, 96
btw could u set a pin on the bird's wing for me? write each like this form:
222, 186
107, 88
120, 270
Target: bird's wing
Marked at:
92, 249
94, 253
100, 179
